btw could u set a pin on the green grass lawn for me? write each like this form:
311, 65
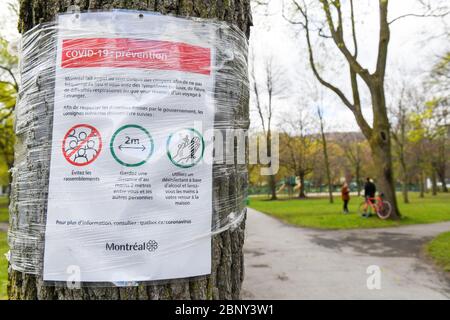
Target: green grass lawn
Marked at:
3, 265
319, 213
4, 215
439, 250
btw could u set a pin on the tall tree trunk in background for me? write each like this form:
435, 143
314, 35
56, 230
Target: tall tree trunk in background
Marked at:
301, 193
433, 183
441, 165
422, 185
272, 178
358, 178
443, 182
441, 173
380, 144
227, 256
405, 178
405, 190
378, 134
273, 187
325, 155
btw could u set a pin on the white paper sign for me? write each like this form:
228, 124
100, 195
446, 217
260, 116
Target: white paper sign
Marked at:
130, 195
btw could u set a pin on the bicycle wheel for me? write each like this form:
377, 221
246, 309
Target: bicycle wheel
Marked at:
361, 209
385, 210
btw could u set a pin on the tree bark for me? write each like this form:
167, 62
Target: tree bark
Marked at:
385, 181
325, 157
358, 178
440, 169
302, 194
273, 187
380, 145
442, 158
422, 185
272, 178
443, 182
433, 182
405, 180
227, 247
405, 191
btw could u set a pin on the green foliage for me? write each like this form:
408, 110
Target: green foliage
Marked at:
7, 59
4, 213
440, 74
8, 83
8, 95
7, 139
439, 250
3, 265
429, 123
319, 213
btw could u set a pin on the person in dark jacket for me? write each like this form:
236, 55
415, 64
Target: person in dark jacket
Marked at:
369, 192
345, 194
369, 189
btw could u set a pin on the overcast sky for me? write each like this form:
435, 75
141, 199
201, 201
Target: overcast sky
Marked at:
412, 52
414, 47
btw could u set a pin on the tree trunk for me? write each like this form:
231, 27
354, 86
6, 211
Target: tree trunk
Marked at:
381, 154
405, 181
272, 178
327, 162
441, 173
227, 255
405, 191
302, 194
273, 187
444, 183
380, 145
441, 165
358, 179
433, 183
422, 185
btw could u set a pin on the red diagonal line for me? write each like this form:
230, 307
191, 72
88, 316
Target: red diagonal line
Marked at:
82, 143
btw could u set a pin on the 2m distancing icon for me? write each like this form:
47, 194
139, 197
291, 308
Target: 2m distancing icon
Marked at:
81, 145
131, 145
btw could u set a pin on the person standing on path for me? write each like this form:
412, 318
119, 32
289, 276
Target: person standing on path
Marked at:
369, 194
345, 194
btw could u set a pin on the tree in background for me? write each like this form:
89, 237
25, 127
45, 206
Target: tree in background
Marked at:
325, 153
298, 146
439, 83
429, 123
378, 133
354, 150
8, 93
400, 126
440, 75
265, 88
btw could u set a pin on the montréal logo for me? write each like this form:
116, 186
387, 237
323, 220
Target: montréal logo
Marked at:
150, 245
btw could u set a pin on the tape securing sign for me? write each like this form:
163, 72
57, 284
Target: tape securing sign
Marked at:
125, 138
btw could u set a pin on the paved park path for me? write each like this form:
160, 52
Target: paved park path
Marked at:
287, 262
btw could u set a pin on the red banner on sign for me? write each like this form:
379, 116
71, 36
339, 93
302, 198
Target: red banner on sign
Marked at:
135, 53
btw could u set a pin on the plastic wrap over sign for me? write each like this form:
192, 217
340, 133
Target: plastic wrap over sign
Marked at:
115, 177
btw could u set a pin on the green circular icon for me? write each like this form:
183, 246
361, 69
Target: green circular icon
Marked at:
185, 147
131, 145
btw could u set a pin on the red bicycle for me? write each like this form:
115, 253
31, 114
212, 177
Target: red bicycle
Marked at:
377, 205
